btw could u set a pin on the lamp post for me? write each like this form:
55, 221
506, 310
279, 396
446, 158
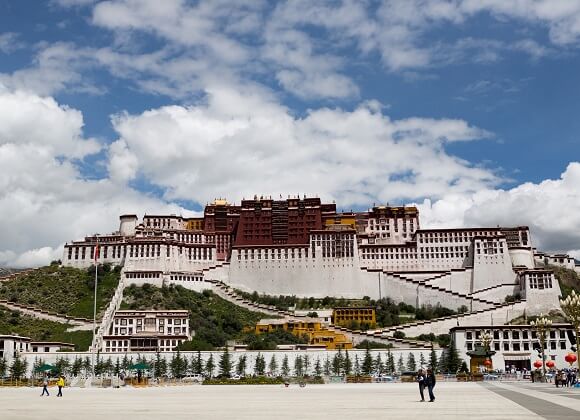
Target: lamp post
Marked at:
542, 325
571, 308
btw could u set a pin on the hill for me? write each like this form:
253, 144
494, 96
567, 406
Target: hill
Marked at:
65, 290
12, 322
568, 279
4, 271
213, 319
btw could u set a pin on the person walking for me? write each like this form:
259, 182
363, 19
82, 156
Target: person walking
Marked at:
45, 386
431, 384
421, 381
60, 384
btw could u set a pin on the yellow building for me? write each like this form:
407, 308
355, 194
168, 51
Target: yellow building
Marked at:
346, 316
313, 329
345, 219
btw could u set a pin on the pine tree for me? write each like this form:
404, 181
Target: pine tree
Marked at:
162, 367
197, 364
18, 367
305, 364
87, 366
260, 365
77, 367
356, 365
178, 365
378, 366
225, 364
433, 359
421, 359
442, 363
400, 364
326, 368
367, 365
273, 366
318, 368
347, 364
411, 364
298, 366
3, 367
209, 366
116, 369
337, 363
453, 360
125, 363
241, 366
157, 365
285, 366
390, 364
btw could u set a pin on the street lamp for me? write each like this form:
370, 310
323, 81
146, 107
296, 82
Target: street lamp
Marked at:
542, 325
571, 308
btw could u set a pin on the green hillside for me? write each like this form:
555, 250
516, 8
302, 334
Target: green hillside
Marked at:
13, 322
569, 280
65, 290
213, 319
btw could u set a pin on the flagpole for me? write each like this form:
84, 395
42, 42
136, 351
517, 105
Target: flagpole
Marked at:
95, 309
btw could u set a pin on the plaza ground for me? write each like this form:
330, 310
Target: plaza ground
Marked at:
332, 401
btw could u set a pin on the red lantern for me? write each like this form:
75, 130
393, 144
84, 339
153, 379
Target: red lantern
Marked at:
570, 358
487, 363
550, 364
538, 364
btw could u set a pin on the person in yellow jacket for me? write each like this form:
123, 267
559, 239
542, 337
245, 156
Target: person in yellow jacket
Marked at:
60, 384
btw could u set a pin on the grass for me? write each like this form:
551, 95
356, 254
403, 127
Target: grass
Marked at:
65, 290
13, 322
213, 319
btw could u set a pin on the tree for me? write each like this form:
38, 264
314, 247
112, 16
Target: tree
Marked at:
298, 366
3, 367
453, 361
125, 363
285, 366
390, 363
241, 365
76, 367
18, 367
197, 364
464, 367
317, 368
260, 365
117, 368
421, 359
356, 365
157, 365
433, 359
411, 363
400, 364
87, 367
326, 368
347, 364
273, 366
306, 364
209, 366
378, 366
178, 365
225, 364
367, 365
337, 363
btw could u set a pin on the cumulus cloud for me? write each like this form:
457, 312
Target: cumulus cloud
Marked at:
549, 208
44, 199
239, 145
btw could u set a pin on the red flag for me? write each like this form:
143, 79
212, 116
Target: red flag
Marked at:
96, 252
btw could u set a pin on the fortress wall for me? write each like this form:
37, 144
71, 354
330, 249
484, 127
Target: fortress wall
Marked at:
497, 294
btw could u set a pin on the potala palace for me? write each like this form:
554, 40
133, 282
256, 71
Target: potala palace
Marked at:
303, 247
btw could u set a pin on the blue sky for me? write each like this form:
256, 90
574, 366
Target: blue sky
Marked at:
467, 108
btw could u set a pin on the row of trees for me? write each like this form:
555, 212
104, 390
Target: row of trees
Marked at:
342, 363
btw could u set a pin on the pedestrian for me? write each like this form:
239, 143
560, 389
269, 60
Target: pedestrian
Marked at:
421, 381
431, 384
60, 384
45, 386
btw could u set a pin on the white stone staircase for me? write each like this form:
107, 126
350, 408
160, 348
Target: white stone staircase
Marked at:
108, 315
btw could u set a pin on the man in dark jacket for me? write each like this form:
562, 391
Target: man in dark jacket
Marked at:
430, 384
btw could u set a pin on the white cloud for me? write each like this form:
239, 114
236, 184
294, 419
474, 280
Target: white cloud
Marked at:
44, 200
9, 42
254, 145
549, 208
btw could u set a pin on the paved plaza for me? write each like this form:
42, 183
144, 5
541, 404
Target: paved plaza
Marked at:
333, 401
